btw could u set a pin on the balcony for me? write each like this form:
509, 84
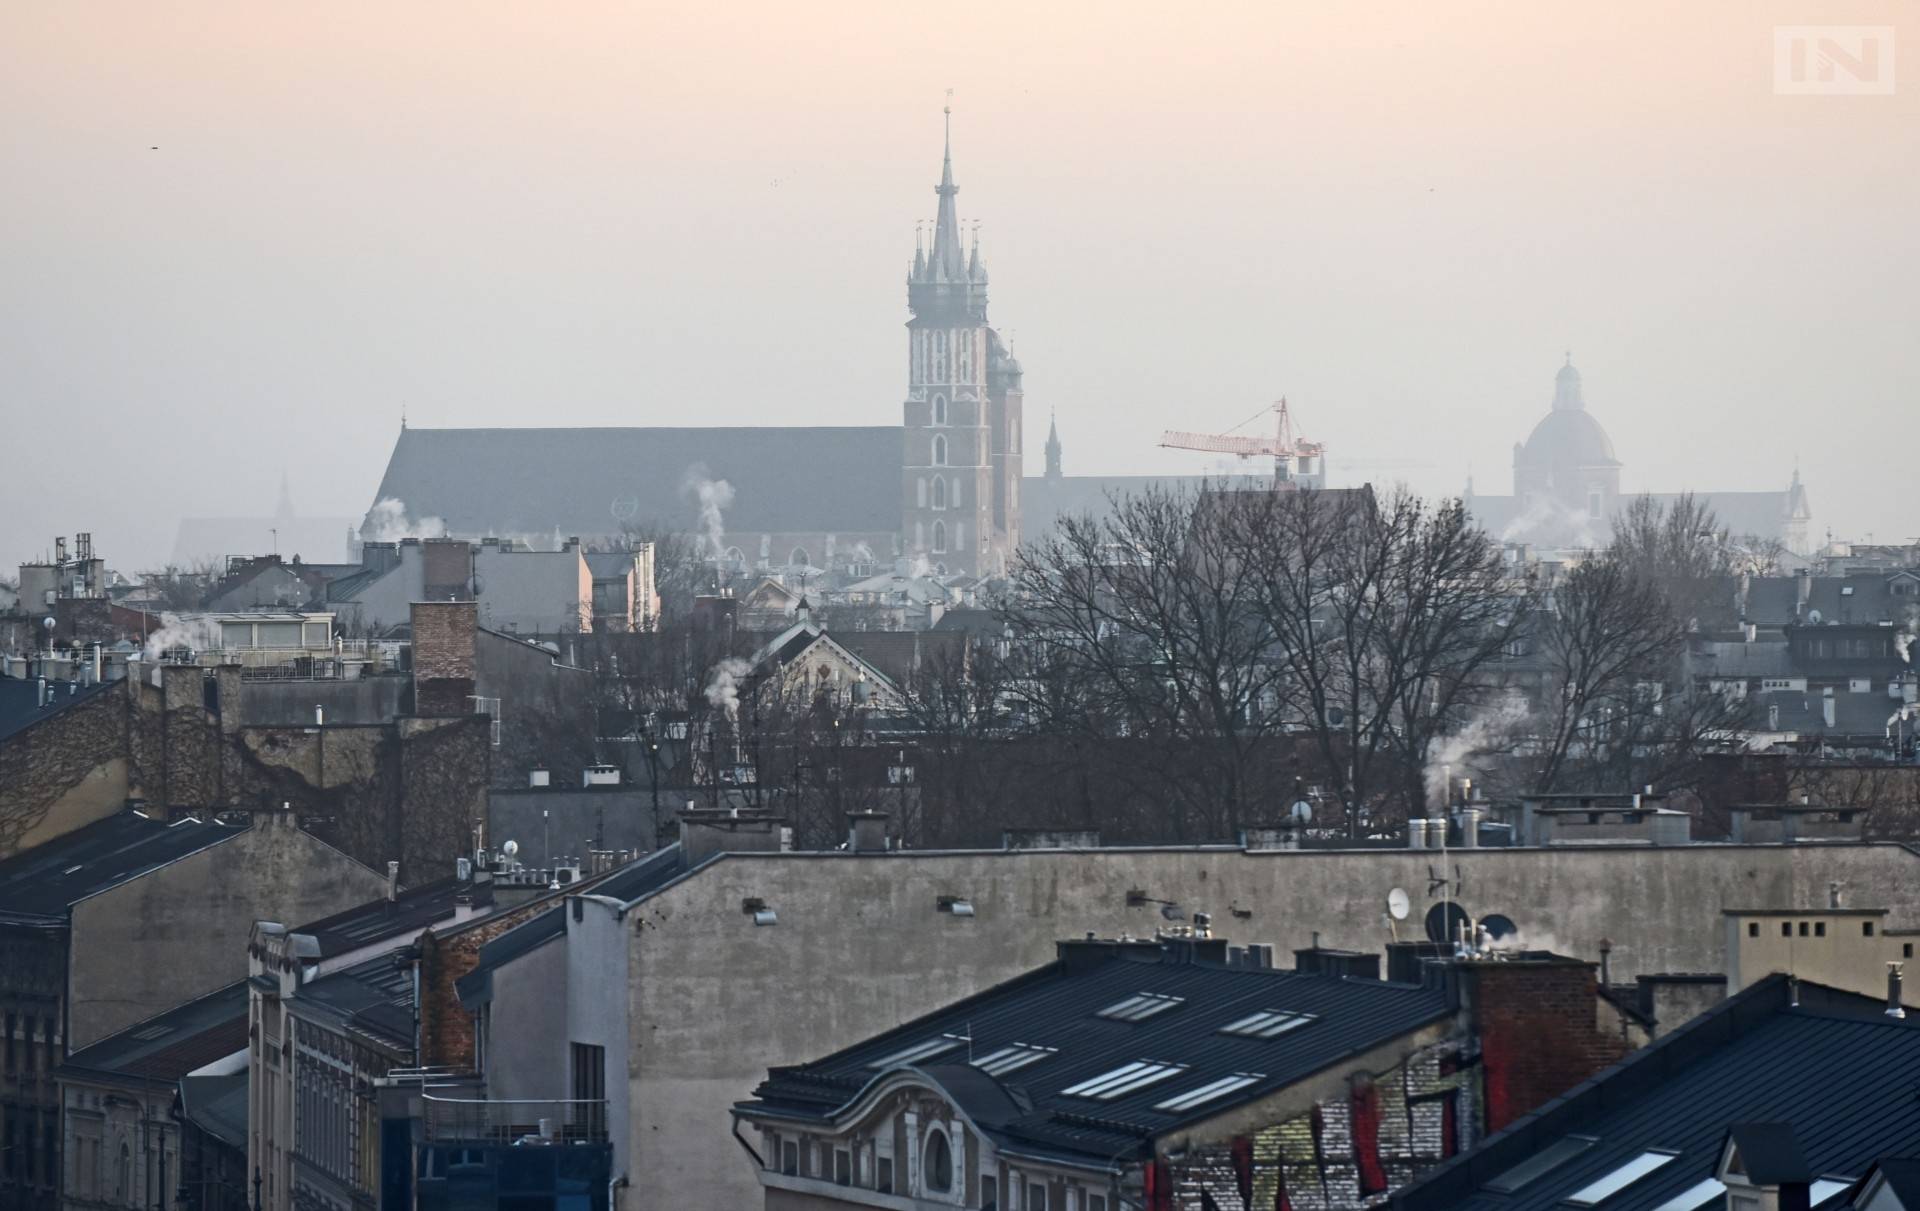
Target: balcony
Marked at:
490, 1121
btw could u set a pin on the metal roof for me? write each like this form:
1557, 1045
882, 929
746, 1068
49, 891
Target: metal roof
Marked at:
21, 705
42, 883
218, 1106
379, 920
1834, 1068
168, 1046
373, 1000
1133, 1075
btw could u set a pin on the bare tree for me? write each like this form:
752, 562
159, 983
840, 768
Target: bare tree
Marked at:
1683, 552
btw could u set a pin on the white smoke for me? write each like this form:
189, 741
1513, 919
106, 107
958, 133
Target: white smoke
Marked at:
1903, 638
1458, 752
723, 685
919, 567
712, 496
195, 632
861, 553
388, 521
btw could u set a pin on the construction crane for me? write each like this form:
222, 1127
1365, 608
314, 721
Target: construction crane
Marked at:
1297, 462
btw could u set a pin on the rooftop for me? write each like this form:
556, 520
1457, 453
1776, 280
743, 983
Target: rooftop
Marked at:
169, 1046
1648, 1132
21, 704
218, 1106
371, 1000
1114, 1044
379, 920
42, 883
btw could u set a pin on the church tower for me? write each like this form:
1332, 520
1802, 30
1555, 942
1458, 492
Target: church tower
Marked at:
961, 459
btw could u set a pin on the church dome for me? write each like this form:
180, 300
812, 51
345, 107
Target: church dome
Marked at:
1568, 437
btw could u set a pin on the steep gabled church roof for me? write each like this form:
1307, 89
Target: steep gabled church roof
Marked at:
590, 482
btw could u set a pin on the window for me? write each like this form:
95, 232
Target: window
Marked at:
842, 1167
989, 1192
1009, 1059
883, 1175
1697, 1197
790, 1158
939, 450
1803, 929
920, 492
1096, 1202
1819, 929
1036, 1197
589, 1073
939, 409
1866, 929
1125, 1079
1541, 1163
1599, 1190
1267, 1024
1140, 1007
939, 491
936, 1172
1753, 929
940, 536
1786, 929
918, 1052
1180, 1102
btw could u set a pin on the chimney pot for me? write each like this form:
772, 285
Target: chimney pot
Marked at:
1894, 1008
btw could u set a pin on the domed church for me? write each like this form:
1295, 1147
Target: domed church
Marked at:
1566, 485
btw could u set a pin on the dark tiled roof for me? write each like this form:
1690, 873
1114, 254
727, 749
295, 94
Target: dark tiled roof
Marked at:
168, 1046
20, 707
379, 920
592, 481
1059, 1006
1836, 1069
901, 655
629, 883
45, 880
218, 1106
373, 999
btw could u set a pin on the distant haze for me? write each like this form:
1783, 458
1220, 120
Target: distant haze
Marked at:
240, 238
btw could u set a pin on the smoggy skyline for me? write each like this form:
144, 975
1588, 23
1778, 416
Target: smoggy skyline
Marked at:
241, 240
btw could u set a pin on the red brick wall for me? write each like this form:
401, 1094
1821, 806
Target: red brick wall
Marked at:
1538, 1034
446, 1028
443, 658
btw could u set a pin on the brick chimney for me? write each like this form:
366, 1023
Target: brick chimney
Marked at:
443, 657
1537, 1018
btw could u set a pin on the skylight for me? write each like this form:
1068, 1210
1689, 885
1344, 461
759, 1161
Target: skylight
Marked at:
1697, 1197
1008, 1059
1140, 1007
918, 1052
1605, 1187
1541, 1163
1207, 1093
1267, 1024
1137, 1075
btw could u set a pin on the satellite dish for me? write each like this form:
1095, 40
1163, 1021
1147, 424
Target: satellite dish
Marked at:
1813, 616
1398, 905
1301, 812
510, 848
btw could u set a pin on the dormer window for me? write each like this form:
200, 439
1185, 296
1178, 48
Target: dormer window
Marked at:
936, 1172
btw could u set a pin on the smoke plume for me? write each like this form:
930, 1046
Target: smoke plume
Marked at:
723, 685
1460, 750
388, 521
712, 496
194, 632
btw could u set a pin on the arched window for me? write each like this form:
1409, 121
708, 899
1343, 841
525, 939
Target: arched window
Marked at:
939, 409
940, 536
126, 1172
936, 1172
939, 491
799, 557
939, 450
736, 557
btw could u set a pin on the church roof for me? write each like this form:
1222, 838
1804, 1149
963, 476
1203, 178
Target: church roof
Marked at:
1569, 437
587, 482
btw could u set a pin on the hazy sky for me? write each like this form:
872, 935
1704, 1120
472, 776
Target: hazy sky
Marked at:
239, 238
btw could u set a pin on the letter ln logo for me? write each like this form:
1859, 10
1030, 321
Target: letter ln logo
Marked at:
1833, 60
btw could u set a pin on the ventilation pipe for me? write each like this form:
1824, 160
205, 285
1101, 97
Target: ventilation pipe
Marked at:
1894, 1008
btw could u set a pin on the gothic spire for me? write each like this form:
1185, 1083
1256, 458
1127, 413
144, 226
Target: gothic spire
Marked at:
948, 261
1053, 447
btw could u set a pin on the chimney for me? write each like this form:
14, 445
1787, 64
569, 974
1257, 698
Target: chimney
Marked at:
393, 882
1470, 825
1894, 1007
866, 832
1826, 707
537, 778
1802, 591
705, 832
